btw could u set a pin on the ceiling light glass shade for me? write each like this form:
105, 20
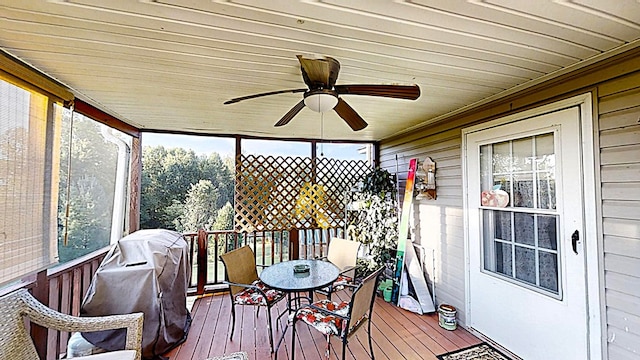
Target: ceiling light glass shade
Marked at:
321, 101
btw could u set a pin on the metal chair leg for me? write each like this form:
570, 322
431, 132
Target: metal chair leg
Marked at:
233, 318
270, 327
370, 341
293, 338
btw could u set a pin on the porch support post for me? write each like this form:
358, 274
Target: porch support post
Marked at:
294, 244
202, 261
135, 183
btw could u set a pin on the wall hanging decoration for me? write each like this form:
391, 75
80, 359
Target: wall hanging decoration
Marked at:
426, 184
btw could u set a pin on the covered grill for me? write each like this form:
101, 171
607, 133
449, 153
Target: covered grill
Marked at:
147, 271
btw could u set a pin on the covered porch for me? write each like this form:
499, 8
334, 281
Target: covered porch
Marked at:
174, 67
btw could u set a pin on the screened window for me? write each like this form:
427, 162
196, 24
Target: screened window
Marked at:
94, 185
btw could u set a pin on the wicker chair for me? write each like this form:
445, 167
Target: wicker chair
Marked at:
16, 343
340, 319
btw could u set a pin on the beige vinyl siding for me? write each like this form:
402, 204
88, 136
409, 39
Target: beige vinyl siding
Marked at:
439, 224
619, 135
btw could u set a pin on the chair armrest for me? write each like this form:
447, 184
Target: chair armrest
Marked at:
240, 285
347, 269
49, 318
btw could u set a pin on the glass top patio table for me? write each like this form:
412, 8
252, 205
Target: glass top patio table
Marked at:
281, 276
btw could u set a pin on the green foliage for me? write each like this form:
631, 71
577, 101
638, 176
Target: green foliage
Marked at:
379, 182
91, 187
364, 267
374, 221
183, 191
199, 210
224, 219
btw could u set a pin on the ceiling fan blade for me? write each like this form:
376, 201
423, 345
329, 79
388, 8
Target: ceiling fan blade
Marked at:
350, 116
235, 100
409, 92
289, 115
319, 73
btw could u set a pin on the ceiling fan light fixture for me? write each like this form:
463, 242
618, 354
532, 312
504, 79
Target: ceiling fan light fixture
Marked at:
321, 100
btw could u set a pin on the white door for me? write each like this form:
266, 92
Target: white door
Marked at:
527, 280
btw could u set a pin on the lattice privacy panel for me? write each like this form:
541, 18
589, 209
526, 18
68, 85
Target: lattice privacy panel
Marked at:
292, 192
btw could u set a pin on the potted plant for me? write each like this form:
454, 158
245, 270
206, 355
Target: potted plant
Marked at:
373, 220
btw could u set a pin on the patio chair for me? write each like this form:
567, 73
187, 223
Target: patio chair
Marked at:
343, 254
245, 288
340, 319
16, 343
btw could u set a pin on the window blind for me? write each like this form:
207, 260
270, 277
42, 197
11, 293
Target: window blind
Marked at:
28, 181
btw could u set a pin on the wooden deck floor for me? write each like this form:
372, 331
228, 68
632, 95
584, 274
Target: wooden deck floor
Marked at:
397, 334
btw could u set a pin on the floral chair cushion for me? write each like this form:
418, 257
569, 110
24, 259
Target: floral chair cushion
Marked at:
327, 324
251, 296
339, 284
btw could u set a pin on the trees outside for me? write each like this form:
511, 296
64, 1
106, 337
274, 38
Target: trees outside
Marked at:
199, 210
88, 185
184, 191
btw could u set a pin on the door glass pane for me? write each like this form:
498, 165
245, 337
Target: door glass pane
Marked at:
524, 233
548, 270
545, 156
546, 192
504, 264
547, 232
545, 164
521, 160
523, 190
526, 264
503, 225
501, 158
520, 239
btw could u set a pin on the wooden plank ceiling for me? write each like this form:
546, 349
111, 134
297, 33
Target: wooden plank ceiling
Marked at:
170, 64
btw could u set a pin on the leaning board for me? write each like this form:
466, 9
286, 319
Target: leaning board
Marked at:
416, 276
403, 228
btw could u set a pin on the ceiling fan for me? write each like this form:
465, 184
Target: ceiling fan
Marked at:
320, 75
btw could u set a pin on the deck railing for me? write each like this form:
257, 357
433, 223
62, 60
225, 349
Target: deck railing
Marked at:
270, 247
63, 287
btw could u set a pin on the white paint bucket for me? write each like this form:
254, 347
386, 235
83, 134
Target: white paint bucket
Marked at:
447, 317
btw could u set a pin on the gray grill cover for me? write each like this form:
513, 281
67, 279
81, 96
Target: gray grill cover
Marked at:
148, 272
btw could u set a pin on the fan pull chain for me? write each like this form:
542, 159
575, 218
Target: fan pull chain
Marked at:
321, 134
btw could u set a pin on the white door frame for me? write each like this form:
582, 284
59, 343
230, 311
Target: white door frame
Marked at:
592, 244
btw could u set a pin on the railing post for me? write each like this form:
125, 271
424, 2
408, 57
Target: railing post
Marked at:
202, 261
294, 244
39, 333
